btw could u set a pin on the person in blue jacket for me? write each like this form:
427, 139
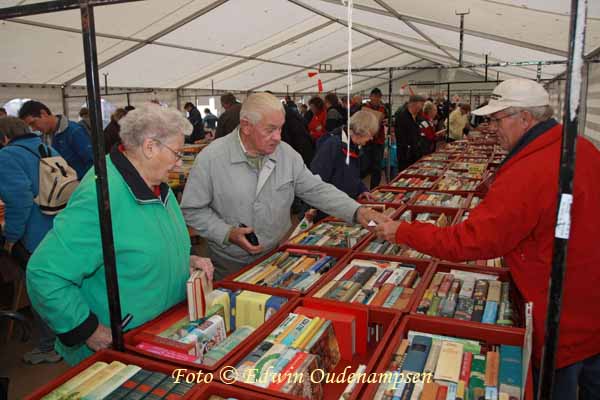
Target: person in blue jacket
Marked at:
25, 225
332, 152
68, 137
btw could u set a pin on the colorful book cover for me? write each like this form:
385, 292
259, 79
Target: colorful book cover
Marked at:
69, 386
511, 366
327, 348
417, 354
251, 308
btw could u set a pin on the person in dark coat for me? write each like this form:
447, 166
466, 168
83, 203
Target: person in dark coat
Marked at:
195, 119
336, 114
332, 152
295, 133
408, 131
111, 132
230, 119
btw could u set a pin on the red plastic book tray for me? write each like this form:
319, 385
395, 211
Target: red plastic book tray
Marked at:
106, 356
503, 275
339, 253
485, 333
181, 310
332, 391
203, 392
423, 267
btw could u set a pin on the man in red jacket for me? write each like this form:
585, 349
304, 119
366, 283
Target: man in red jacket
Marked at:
517, 219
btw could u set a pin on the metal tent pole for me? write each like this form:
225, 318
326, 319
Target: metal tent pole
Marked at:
448, 116
539, 72
461, 35
565, 196
51, 6
389, 123
486, 67
106, 232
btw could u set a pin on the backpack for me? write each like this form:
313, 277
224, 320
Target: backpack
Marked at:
57, 181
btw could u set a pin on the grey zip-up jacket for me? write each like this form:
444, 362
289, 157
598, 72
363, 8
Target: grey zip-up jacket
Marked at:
224, 190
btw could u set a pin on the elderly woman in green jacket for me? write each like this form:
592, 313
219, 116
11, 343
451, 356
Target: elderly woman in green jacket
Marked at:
65, 276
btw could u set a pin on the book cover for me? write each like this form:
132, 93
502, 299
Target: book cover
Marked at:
404, 298
251, 308
382, 294
70, 385
432, 358
465, 369
344, 327
430, 390
478, 308
161, 351
511, 370
264, 366
273, 304
221, 297
490, 311
472, 346
287, 322
434, 308
145, 389
215, 354
296, 331
98, 378
476, 381
417, 354
307, 331
448, 306
393, 297
494, 291
250, 360
132, 383
399, 353
286, 373
464, 309
425, 302
449, 362
327, 348
173, 345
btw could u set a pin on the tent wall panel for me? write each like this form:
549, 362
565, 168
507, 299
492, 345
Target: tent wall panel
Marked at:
49, 95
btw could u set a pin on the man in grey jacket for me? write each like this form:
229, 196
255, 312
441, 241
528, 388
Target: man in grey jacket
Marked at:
249, 177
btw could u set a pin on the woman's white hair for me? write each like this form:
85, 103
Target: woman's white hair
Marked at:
258, 104
152, 121
364, 123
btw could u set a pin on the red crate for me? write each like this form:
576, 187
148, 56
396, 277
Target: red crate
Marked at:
332, 391
203, 392
319, 248
503, 275
339, 253
106, 356
446, 327
423, 267
181, 310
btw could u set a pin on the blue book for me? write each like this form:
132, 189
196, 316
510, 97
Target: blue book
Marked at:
320, 264
282, 279
490, 312
511, 370
273, 305
417, 353
299, 279
232, 303
451, 394
393, 297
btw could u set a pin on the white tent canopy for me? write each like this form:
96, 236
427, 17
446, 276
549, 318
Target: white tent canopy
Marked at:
272, 44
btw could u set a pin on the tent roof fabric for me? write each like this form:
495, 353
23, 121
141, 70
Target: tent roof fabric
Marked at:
272, 44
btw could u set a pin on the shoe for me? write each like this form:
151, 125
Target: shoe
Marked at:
36, 356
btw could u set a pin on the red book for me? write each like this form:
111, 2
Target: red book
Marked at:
442, 393
382, 294
465, 368
361, 314
169, 344
445, 285
165, 352
382, 278
350, 273
344, 327
409, 279
292, 366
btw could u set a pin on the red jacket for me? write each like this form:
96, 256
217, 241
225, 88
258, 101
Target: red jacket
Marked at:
517, 220
317, 125
379, 137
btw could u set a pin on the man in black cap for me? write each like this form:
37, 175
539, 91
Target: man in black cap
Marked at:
408, 131
373, 154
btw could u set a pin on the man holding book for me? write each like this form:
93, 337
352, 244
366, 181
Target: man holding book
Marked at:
516, 220
250, 178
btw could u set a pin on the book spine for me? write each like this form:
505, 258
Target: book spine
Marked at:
490, 312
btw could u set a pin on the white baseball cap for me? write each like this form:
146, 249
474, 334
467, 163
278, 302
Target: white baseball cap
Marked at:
516, 92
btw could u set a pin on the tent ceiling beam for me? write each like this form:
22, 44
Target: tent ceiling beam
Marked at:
314, 66
380, 76
153, 38
52, 6
157, 43
412, 26
344, 23
376, 62
258, 54
470, 32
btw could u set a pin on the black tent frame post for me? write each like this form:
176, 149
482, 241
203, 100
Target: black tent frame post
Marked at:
44, 7
486, 67
565, 196
461, 35
448, 116
128, 99
388, 162
106, 232
539, 72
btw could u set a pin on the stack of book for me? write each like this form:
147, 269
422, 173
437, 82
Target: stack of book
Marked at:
387, 284
453, 368
119, 381
380, 246
469, 166
423, 171
292, 269
437, 199
457, 184
308, 339
468, 296
231, 317
331, 234
430, 164
414, 183
436, 157
393, 196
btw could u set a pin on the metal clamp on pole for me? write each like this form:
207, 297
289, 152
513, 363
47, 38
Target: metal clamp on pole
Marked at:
106, 232
461, 34
565, 196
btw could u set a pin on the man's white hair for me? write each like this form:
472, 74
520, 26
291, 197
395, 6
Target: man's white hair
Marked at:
541, 113
257, 105
152, 121
364, 123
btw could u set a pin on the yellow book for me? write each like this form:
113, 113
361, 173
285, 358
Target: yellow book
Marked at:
250, 308
217, 297
289, 328
306, 332
299, 238
98, 379
311, 334
304, 265
70, 385
111, 384
268, 270
325, 289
